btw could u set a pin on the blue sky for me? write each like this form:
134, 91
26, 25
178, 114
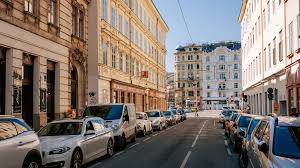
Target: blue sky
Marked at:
208, 21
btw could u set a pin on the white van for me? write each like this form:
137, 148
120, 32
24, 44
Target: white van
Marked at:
120, 117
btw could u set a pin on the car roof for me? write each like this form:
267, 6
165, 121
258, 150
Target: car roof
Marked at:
155, 110
141, 112
111, 104
76, 119
288, 121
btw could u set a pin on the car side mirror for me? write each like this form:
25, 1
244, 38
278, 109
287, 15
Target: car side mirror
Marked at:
89, 132
263, 147
126, 118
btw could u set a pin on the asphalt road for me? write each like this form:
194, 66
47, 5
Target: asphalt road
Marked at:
194, 143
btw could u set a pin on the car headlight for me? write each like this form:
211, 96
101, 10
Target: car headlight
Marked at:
115, 126
60, 150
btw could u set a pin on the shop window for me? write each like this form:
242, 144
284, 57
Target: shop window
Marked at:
122, 97
291, 99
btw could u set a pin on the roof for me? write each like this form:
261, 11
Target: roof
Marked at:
209, 47
288, 121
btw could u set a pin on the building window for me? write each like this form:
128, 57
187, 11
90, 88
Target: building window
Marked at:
236, 85
126, 29
291, 99
74, 20
207, 59
236, 94
104, 9
208, 94
104, 52
113, 57
222, 67
198, 66
269, 55
207, 77
113, 17
274, 52
291, 47
298, 27
182, 58
235, 57
120, 61
222, 58
236, 76
121, 24
222, 76
81, 24
198, 57
30, 6
280, 46
127, 63
235, 66
190, 93
52, 12
208, 86
208, 68
137, 68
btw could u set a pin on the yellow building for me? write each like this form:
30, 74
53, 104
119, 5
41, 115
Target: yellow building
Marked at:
127, 45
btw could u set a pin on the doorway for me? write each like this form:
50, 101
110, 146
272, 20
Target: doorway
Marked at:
27, 90
2, 79
50, 91
74, 88
283, 106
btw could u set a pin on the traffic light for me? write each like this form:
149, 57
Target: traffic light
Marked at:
270, 93
245, 98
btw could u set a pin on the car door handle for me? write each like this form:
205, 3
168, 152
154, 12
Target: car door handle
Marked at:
21, 143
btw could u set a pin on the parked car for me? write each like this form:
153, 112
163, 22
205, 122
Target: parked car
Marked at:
157, 118
225, 114
238, 131
170, 117
194, 109
19, 144
177, 116
243, 157
120, 117
183, 115
74, 142
143, 124
230, 122
275, 143
187, 110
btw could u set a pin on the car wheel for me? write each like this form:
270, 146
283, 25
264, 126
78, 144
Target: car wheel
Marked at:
110, 148
32, 162
122, 143
144, 132
76, 160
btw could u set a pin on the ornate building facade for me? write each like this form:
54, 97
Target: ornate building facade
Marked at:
128, 48
43, 58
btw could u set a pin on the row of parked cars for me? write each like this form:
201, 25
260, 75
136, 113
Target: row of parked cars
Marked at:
74, 142
263, 141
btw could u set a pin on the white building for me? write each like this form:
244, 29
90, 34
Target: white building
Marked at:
222, 76
270, 39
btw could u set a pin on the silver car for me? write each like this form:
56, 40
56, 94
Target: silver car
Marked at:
19, 145
73, 142
275, 143
158, 120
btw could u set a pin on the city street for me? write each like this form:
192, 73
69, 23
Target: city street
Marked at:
196, 142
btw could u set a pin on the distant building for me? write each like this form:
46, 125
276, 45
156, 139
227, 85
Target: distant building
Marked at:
208, 75
170, 90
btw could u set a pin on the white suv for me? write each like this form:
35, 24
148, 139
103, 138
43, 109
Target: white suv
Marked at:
19, 144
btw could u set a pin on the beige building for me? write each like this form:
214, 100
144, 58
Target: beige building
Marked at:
127, 54
271, 53
43, 53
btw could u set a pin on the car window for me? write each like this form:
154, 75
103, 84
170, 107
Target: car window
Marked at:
61, 128
7, 130
266, 136
97, 124
89, 126
125, 111
260, 130
139, 116
145, 117
252, 125
153, 114
107, 112
244, 121
21, 126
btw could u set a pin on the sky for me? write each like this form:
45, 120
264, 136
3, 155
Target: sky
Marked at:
207, 20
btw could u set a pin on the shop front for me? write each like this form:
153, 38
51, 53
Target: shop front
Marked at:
293, 88
127, 93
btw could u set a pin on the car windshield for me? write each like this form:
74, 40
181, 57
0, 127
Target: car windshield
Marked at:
287, 142
153, 114
173, 111
234, 116
60, 129
227, 113
139, 116
167, 113
244, 121
251, 128
107, 112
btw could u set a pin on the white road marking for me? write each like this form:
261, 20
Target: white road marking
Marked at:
226, 143
229, 152
202, 127
119, 153
147, 139
251, 163
155, 134
194, 143
134, 145
185, 159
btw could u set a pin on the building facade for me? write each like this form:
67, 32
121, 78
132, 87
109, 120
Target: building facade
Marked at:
170, 90
188, 75
222, 76
42, 58
270, 42
128, 48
